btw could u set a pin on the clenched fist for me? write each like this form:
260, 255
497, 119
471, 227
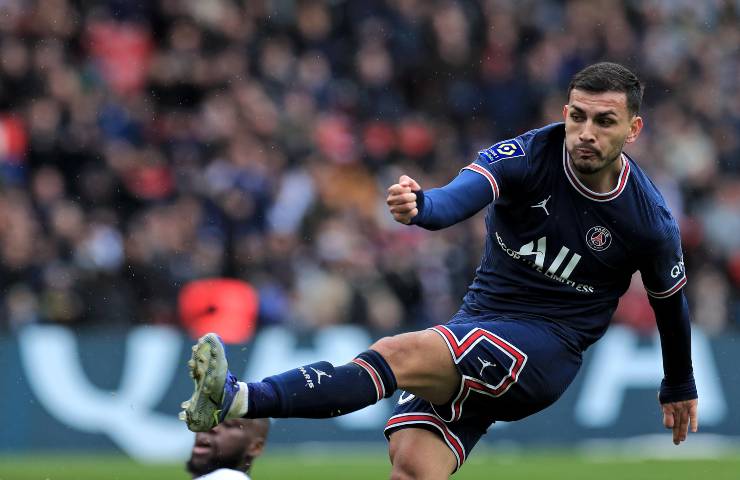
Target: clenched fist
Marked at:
402, 199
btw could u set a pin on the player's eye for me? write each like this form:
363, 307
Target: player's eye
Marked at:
576, 117
606, 122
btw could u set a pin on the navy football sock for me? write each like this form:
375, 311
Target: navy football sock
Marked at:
321, 390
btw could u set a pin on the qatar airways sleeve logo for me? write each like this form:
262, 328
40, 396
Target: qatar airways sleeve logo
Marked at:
678, 269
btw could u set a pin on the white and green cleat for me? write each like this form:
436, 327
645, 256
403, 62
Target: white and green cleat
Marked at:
215, 387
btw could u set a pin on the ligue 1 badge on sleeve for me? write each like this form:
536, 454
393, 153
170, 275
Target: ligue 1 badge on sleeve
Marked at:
598, 238
501, 150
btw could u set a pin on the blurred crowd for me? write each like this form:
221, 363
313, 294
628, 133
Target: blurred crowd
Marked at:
144, 145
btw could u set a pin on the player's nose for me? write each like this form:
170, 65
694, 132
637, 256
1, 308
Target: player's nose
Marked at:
587, 132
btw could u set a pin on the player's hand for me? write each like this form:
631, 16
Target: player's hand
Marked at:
402, 199
679, 416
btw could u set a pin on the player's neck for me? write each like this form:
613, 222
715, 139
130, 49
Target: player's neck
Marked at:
603, 181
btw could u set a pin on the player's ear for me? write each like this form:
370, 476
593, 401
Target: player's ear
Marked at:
635, 129
565, 112
256, 447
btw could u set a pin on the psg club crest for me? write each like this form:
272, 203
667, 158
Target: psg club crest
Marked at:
598, 238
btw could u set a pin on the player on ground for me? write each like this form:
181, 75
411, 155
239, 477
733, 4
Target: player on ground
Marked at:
226, 452
571, 219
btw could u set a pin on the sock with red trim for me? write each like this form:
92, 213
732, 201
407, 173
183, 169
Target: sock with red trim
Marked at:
321, 390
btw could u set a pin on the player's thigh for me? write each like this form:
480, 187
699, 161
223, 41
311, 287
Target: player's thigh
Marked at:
417, 453
421, 363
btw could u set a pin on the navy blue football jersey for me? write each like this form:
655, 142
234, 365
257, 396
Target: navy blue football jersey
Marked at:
557, 250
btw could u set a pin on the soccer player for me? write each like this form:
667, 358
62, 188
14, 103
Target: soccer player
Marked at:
571, 218
226, 451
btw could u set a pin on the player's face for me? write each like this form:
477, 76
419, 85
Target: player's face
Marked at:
225, 446
597, 125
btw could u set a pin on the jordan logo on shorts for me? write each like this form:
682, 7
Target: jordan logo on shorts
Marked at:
484, 363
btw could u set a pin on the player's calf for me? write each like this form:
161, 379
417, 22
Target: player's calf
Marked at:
318, 390
322, 390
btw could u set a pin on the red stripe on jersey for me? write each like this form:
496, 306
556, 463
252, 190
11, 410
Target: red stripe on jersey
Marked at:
678, 286
489, 176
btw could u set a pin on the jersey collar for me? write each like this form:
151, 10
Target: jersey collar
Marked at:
590, 194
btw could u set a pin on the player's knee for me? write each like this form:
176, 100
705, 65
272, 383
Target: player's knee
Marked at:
419, 361
408, 464
401, 473
392, 350
402, 352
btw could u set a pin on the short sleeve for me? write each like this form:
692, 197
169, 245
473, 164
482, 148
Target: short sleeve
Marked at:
663, 270
505, 164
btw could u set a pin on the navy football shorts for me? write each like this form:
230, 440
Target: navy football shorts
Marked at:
510, 368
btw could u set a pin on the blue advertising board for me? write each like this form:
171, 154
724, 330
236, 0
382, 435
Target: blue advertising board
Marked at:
121, 391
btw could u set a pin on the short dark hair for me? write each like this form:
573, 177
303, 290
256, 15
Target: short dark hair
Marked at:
610, 77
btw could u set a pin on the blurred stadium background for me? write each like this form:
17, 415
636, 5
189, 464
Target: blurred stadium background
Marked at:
153, 152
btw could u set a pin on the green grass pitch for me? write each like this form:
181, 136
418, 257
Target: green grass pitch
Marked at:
354, 466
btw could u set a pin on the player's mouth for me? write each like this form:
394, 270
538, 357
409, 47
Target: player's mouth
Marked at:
201, 449
202, 446
586, 153
585, 150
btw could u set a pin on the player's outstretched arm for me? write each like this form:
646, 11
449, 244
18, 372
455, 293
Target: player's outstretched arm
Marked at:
680, 416
440, 207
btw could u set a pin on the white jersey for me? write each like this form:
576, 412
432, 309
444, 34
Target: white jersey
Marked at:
224, 474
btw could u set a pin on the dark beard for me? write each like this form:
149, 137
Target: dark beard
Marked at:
197, 469
200, 469
589, 169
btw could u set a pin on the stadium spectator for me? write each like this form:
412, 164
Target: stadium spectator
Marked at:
227, 451
144, 145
